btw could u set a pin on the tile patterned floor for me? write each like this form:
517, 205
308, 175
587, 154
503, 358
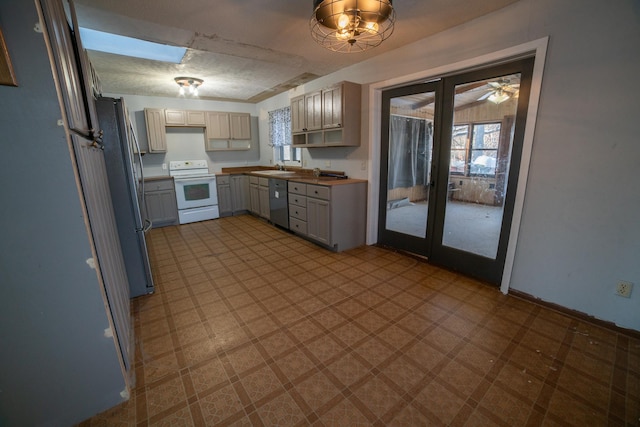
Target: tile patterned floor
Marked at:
253, 326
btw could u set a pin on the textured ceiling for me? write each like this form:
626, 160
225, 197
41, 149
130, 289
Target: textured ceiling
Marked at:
244, 50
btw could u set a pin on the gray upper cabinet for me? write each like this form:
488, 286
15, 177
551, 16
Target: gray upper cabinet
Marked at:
227, 131
175, 118
184, 118
240, 124
217, 125
223, 131
313, 111
327, 118
298, 117
156, 132
332, 107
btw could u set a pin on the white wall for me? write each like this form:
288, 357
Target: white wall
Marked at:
579, 232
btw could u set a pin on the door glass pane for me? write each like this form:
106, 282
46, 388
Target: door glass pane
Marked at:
410, 153
482, 136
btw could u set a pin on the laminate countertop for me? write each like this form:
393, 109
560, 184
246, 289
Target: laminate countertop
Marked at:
304, 176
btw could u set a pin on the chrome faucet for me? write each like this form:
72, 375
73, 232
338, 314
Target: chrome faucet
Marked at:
279, 167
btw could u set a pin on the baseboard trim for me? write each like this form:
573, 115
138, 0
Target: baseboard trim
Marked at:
576, 314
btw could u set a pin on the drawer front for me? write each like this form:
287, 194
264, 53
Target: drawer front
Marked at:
297, 225
297, 212
318, 192
223, 179
297, 188
253, 179
264, 182
298, 200
158, 185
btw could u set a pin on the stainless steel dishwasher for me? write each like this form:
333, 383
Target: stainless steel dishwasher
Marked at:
278, 206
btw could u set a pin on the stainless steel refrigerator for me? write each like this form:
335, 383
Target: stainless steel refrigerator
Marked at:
126, 183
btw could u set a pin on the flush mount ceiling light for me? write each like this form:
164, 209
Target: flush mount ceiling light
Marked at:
351, 25
190, 84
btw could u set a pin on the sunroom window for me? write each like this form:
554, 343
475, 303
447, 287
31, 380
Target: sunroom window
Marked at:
475, 154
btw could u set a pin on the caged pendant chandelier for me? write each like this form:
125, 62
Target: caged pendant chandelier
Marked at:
351, 25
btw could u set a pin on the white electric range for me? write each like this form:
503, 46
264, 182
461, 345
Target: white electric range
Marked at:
196, 191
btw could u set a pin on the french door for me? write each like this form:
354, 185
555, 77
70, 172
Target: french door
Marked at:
450, 157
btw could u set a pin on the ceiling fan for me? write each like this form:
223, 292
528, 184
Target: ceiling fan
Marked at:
501, 90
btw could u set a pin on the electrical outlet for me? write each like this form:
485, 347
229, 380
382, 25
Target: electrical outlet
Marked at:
623, 288
363, 165
327, 163
164, 166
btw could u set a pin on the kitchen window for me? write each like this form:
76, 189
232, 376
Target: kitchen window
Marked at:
280, 137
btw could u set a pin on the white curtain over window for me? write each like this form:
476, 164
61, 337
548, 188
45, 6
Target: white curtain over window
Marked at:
280, 127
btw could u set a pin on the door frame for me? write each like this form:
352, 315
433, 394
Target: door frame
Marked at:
537, 49
416, 245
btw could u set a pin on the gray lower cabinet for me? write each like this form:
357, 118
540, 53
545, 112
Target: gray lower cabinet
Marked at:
160, 202
254, 195
297, 207
331, 215
319, 220
225, 205
239, 194
259, 196
263, 191
233, 194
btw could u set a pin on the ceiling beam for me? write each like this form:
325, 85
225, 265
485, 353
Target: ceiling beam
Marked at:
460, 89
